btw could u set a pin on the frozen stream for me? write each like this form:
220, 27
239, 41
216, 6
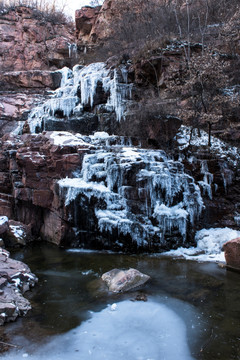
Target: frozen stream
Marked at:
192, 311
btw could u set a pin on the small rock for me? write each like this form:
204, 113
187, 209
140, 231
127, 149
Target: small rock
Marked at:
141, 297
124, 280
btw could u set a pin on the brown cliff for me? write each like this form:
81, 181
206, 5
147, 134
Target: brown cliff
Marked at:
30, 42
32, 47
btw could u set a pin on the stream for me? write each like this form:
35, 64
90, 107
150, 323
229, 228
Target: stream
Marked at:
192, 309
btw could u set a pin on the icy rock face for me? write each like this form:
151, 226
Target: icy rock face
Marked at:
83, 86
133, 196
215, 164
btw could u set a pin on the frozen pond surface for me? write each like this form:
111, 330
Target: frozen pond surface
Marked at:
192, 310
126, 330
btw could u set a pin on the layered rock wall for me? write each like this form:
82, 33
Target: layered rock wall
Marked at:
30, 42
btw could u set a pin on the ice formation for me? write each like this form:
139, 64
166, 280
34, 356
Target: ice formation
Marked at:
3, 220
207, 181
209, 245
78, 88
186, 136
138, 193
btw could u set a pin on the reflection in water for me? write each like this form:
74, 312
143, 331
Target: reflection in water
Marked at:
199, 301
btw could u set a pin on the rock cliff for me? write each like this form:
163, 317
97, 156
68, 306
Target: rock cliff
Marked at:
32, 47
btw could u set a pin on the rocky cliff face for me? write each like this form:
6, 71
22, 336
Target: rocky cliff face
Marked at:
32, 47
29, 41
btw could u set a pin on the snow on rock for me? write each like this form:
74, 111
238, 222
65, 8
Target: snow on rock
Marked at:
142, 194
209, 245
63, 138
77, 186
79, 88
16, 278
17, 234
134, 330
195, 137
3, 224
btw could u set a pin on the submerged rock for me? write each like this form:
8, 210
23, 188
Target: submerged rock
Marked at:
232, 253
124, 280
15, 279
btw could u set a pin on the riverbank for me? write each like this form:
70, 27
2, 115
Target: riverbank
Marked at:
15, 279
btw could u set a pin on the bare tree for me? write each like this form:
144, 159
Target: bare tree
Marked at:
203, 27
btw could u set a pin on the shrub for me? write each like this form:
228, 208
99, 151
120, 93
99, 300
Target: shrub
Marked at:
48, 10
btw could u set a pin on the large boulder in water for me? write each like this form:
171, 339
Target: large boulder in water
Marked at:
232, 253
124, 280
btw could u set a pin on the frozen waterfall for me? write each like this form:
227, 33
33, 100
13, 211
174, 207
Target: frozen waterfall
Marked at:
78, 89
140, 194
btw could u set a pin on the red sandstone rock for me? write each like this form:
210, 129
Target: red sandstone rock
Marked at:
34, 164
31, 79
42, 198
232, 253
54, 228
15, 279
29, 43
85, 18
18, 234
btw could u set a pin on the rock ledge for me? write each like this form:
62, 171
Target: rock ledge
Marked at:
15, 279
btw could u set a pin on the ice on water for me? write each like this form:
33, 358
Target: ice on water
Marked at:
134, 330
209, 245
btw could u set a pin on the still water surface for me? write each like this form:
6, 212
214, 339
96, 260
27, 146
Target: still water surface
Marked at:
192, 312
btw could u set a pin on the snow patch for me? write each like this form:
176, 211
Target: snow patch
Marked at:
209, 245
64, 138
3, 220
187, 136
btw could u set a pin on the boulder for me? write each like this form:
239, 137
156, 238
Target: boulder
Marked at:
232, 253
17, 235
124, 280
15, 279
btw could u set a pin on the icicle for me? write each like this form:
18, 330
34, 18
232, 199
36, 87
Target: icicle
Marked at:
67, 98
72, 50
159, 181
227, 175
207, 181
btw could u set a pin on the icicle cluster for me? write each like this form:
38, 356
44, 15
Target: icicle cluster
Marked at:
139, 193
78, 88
207, 181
